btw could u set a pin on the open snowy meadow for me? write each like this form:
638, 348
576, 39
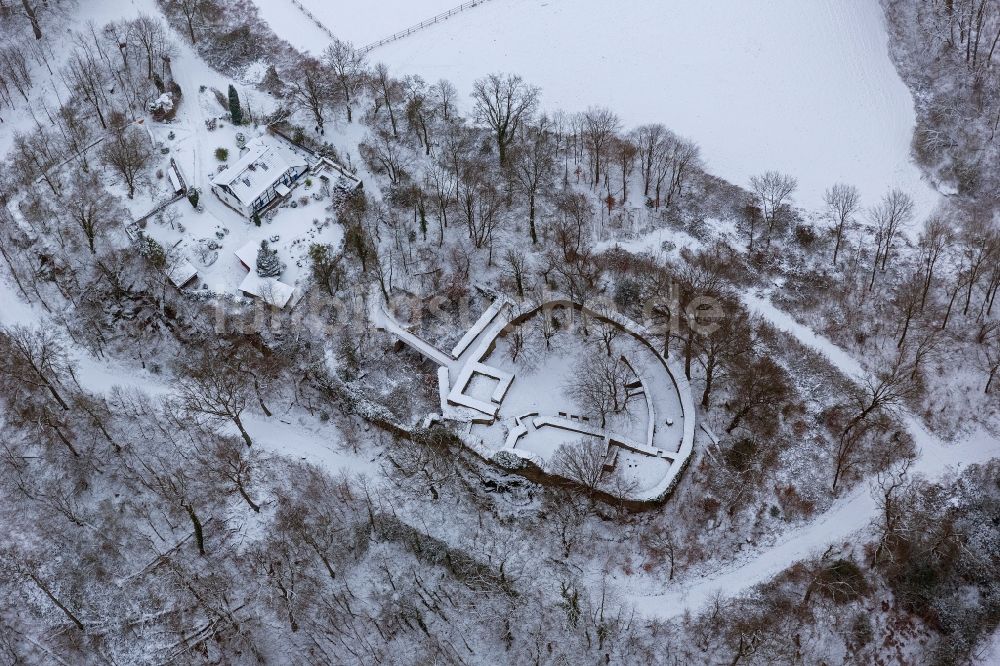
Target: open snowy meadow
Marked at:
758, 85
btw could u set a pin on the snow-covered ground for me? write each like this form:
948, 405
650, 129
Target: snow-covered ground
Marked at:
361, 23
801, 87
848, 516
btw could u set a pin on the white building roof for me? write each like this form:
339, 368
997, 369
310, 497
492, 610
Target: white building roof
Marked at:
181, 272
248, 254
262, 163
271, 291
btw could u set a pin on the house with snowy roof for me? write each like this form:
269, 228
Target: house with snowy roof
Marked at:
265, 173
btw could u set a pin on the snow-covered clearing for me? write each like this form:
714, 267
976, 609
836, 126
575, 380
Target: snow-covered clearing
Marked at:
802, 87
849, 515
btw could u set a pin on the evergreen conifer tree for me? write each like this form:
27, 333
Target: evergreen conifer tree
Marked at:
268, 264
152, 251
234, 106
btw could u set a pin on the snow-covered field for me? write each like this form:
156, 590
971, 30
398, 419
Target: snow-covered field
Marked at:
802, 87
361, 23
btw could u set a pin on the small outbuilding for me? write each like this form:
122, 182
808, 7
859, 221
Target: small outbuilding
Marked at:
270, 290
181, 273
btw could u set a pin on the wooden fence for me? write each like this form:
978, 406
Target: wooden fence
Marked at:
399, 35
420, 26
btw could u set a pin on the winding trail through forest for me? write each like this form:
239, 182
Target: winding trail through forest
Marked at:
848, 515
851, 513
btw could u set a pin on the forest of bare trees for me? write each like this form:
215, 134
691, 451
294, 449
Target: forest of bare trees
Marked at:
194, 521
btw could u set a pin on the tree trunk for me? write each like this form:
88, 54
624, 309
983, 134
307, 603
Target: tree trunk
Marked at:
531, 218
951, 303
245, 496
260, 398
243, 431
35, 28
199, 536
55, 394
836, 248
52, 597
737, 417
64, 440
906, 328
708, 386
688, 352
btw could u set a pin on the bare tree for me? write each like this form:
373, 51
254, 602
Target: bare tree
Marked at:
773, 191
718, 349
871, 409
441, 182
842, 202
503, 103
906, 298
76, 131
35, 156
675, 160
14, 71
936, 237
384, 154
979, 239
29, 12
419, 110
581, 461
128, 152
35, 357
661, 541
890, 215
151, 36
444, 94
310, 87
86, 76
17, 566
198, 13
348, 68
481, 203
760, 387
891, 484
648, 140
624, 153
92, 209
386, 91
750, 214
572, 229
598, 384
600, 126
516, 268
232, 463
989, 351
208, 386
532, 166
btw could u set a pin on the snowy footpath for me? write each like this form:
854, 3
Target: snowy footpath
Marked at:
849, 515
